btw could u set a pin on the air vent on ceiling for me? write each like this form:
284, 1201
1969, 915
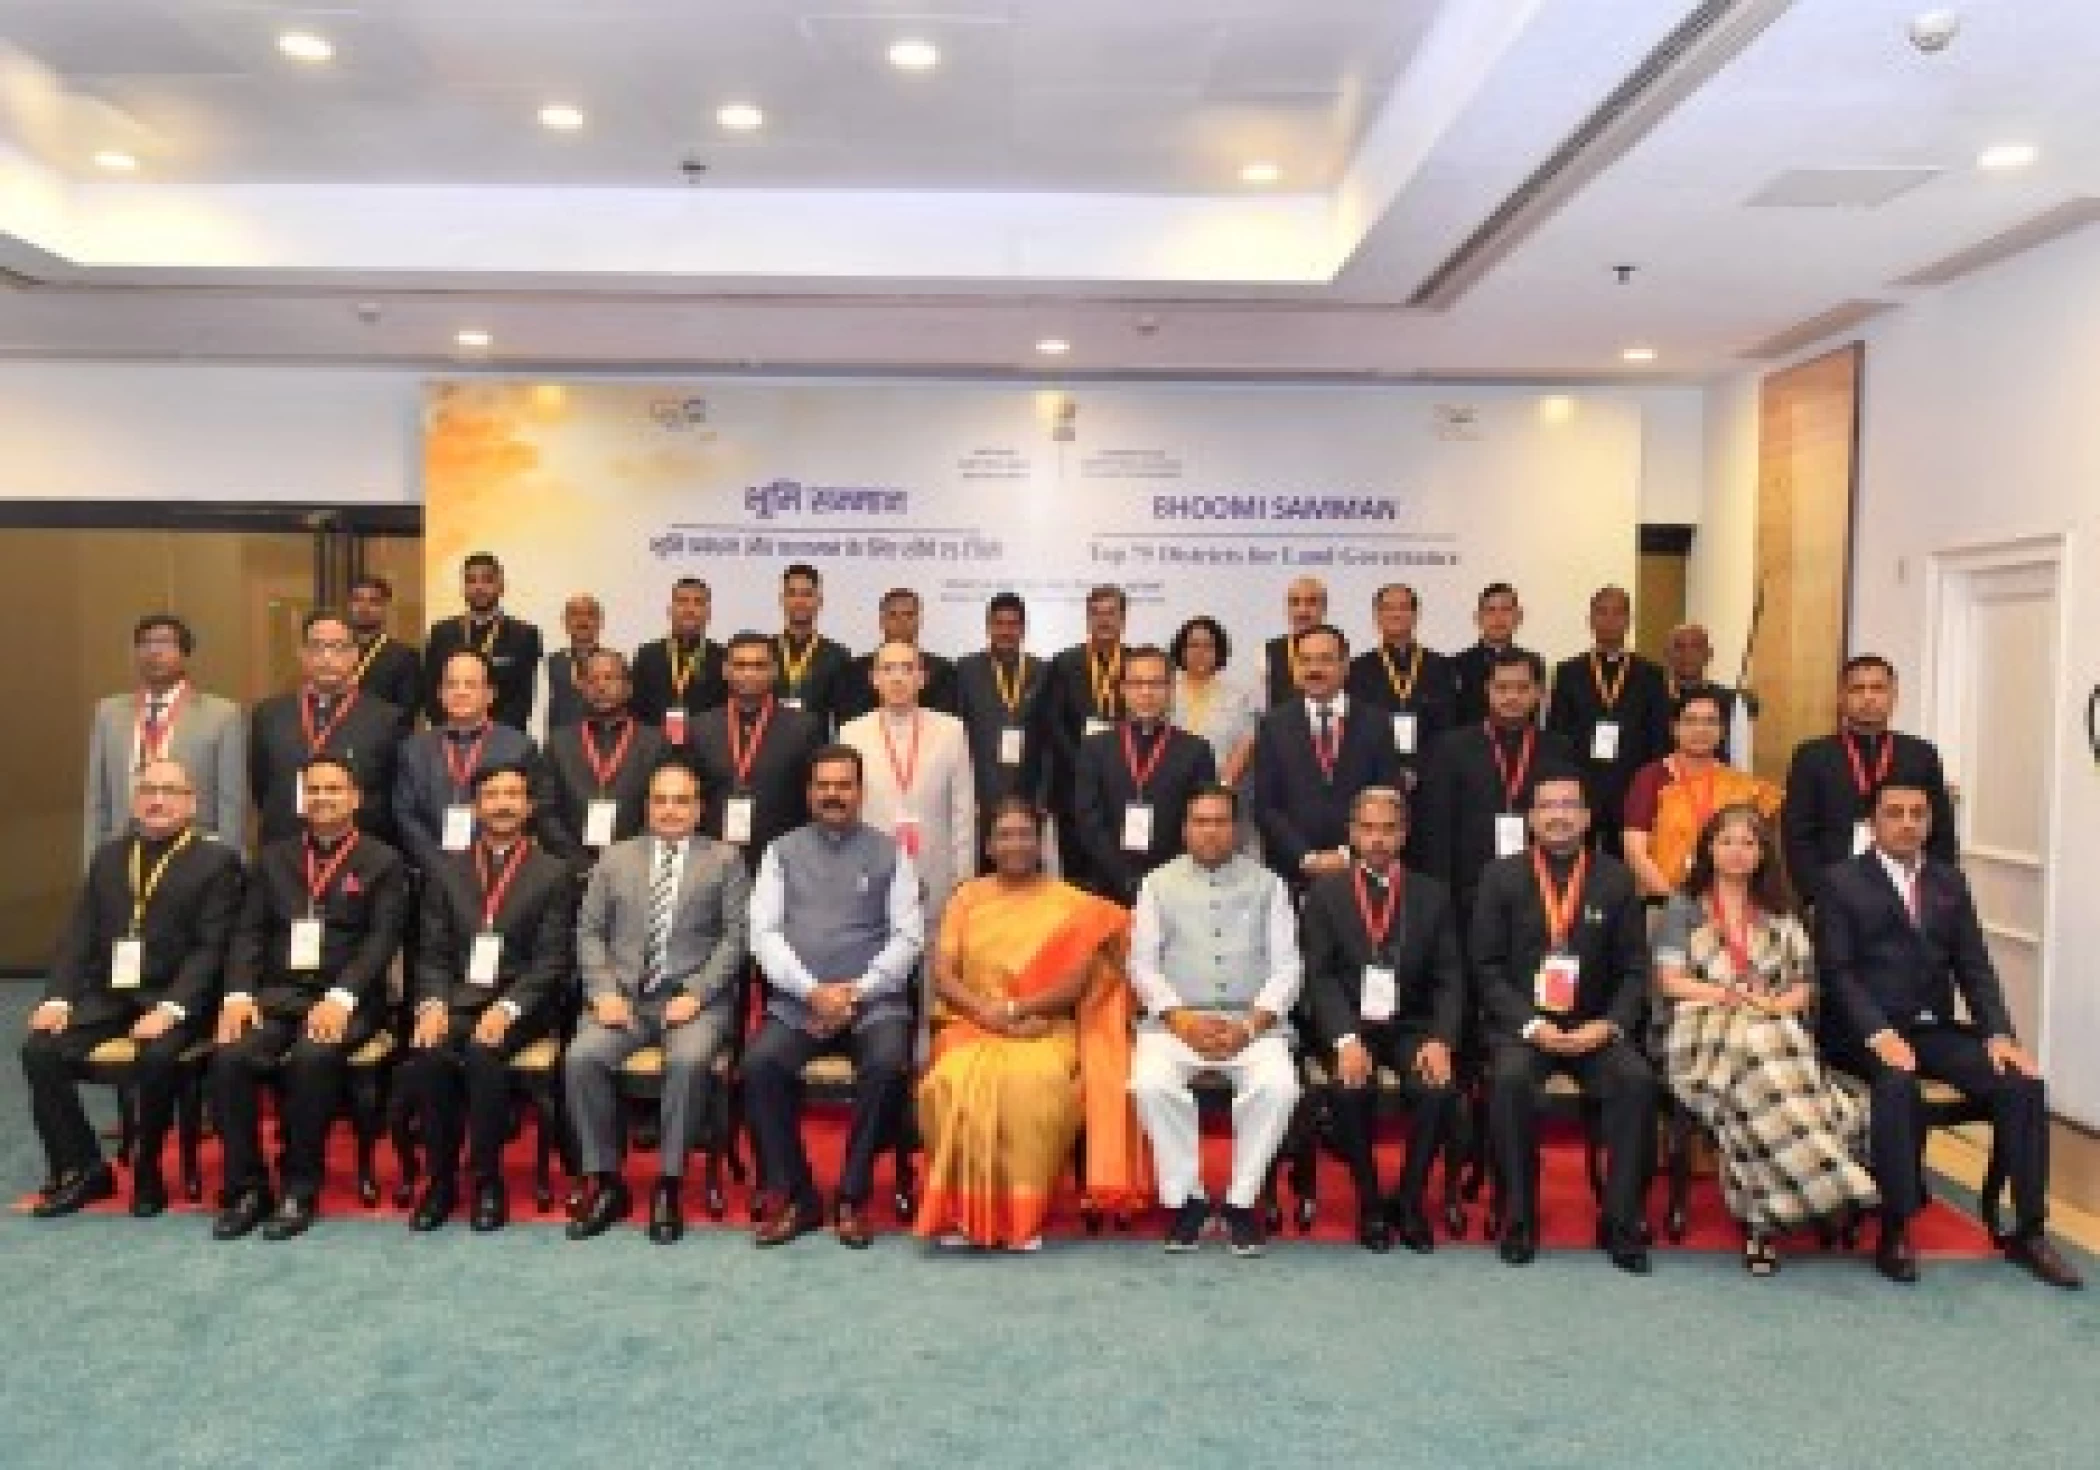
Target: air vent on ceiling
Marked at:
1840, 188
2072, 214
1840, 318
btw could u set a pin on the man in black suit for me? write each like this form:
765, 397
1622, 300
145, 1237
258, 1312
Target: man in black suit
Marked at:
1385, 988
1832, 778
679, 676
386, 667
1001, 696
329, 713
511, 645
1497, 615
1478, 784
1134, 782
898, 616
754, 752
1085, 697
812, 670
1897, 940
1685, 659
1311, 756
495, 951
1612, 708
305, 988
1413, 684
434, 776
140, 958
583, 619
1559, 949
1304, 606
597, 770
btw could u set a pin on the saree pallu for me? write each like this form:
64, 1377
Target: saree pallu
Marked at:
1000, 1114
1682, 808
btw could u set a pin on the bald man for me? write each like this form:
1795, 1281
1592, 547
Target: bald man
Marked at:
1686, 657
1612, 708
583, 619
1304, 606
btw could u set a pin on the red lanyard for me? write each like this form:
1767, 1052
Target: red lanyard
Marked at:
743, 756
1328, 751
1139, 775
1736, 937
1560, 907
1512, 786
492, 897
910, 768
152, 734
1887, 759
316, 743
1382, 925
462, 771
319, 875
602, 769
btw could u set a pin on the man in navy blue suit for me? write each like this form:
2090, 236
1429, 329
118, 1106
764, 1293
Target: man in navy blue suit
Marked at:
1312, 755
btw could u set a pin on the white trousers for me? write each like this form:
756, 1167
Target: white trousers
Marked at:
1264, 1093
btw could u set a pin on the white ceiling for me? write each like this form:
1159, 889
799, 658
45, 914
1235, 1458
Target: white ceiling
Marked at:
1070, 170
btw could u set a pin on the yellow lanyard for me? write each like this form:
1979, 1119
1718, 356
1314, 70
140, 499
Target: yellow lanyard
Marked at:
1392, 675
681, 669
1611, 695
1010, 693
142, 893
795, 669
1106, 674
364, 665
487, 646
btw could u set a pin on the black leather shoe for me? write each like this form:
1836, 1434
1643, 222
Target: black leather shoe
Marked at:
1893, 1256
1412, 1230
241, 1214
294, 1217
609, 1204
2039, 1256
666, 1212
1628, 1248
149, 1192
77, 1191
440, 1198
1519, 1245
491, 1206
1372, 1231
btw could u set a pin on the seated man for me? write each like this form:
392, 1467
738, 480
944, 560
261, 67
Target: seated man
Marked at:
1385, 986
305, 988
495, 947
1560, 961
1214, 961
836, 926
140, 957
1897, 938
661, 941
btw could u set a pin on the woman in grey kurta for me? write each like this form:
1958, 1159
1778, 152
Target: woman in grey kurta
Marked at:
1220, 710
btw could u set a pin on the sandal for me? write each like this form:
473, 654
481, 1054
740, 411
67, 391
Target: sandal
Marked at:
1759, 1259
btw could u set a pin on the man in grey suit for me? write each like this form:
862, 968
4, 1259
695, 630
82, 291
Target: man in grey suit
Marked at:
660, 942
165, 718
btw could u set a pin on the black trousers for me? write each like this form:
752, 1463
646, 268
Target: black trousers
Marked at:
1896, 1129
1623, 1084
881, 1052
1353, 1110
461, 1088
53, 1065
311, 1077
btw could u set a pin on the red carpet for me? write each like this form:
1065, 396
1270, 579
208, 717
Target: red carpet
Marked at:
1567, 1216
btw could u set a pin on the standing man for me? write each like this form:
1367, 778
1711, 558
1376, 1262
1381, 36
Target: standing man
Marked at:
495, 950
661, 942
753, 753
1135, 781
1311, 756
1559, 948
1831, 781
305, 988
1085, 697
583, 619
597, 770
1001, 696
1897, 941
510, 645
1687, 655
1214, 961
140, 957
1414, 685
1304, 607
1497, 615
166, 718
836, 927
386, 668
434, 779
1611, 707
679, 676
898, 618
331, 714
812, 668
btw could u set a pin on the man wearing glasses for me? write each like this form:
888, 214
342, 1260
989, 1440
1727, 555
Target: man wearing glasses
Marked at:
1134, 783
165, 717
330, 713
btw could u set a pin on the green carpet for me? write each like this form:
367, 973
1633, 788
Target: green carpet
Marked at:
362, 1345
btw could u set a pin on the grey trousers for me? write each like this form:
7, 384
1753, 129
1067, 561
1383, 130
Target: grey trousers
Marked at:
590, 1075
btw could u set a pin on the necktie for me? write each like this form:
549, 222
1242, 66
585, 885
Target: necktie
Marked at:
1326, 736
662, 891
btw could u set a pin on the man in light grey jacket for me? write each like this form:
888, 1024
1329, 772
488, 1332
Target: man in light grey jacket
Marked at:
166, 717
660, 942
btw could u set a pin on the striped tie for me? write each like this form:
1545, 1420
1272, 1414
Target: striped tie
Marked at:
663, 890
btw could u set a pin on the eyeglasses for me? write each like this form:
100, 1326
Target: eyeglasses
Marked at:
332, 645
1560, 804
153, 789
1134, 683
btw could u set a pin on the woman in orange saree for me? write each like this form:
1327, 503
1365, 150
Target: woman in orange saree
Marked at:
1031, 1038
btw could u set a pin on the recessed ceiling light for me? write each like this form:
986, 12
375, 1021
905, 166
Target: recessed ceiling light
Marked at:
1260, 173
1053, 346
305, 46
915, 55
561, 117
116, 162
1639, 354
741, 116
473, 339
2007, 155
